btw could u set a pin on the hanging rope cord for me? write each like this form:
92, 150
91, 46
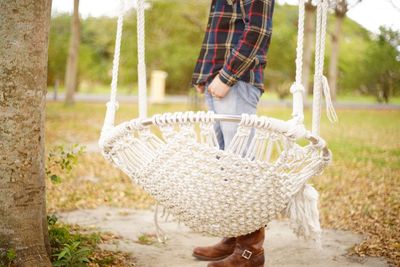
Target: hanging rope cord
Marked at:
320, 81
297, 89
142, 77
113, 105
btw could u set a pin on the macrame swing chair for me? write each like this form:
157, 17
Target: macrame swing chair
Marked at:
232, 192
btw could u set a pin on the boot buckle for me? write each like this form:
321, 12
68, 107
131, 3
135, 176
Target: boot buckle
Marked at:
247, 254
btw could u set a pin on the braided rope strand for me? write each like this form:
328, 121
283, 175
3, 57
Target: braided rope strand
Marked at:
297, 89
142, 77
316, 116
112, 105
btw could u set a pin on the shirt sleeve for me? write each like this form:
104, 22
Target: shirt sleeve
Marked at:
256, 36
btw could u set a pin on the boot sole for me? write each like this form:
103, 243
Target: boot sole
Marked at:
204, 258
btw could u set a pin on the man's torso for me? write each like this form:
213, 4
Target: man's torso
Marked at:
225, 28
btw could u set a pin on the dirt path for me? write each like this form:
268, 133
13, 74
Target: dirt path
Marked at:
283, 249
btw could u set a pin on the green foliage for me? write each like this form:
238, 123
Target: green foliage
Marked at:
58, 47
282, 52
174, 39
174, 33
61, 234
72, 256
354, 43
7, 257
69, 246
11, 255
381, 70
61, 160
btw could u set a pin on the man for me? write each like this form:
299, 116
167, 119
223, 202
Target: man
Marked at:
230, 73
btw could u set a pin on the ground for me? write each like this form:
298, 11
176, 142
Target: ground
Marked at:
359, 191
282, 248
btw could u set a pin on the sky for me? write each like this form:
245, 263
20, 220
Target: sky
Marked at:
369, 13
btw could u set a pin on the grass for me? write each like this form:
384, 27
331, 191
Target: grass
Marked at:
359, 191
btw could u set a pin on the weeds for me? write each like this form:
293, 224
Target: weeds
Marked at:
147, 239
73, 246
72, 256
61, 160
7, 257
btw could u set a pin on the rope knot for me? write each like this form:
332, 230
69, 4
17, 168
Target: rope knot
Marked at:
297, 129
297, 87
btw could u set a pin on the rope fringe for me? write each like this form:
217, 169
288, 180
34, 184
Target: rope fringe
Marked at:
330, 109
304, 215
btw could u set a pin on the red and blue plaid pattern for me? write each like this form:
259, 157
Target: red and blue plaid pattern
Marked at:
236, 42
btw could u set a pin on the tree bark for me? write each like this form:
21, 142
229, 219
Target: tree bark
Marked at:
24, 27
71, 75
308, 45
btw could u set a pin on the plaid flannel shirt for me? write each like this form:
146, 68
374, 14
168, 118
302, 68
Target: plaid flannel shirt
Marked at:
236, 42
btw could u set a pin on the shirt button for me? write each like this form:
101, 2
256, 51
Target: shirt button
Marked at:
213, 7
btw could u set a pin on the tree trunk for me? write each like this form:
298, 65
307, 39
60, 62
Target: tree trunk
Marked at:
308, 45
334, 59
24, 27
71, 75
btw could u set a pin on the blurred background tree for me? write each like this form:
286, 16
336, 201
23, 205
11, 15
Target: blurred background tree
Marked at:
71, 74
381, 66
174, 35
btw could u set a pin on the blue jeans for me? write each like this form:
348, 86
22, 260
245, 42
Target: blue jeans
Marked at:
241, 98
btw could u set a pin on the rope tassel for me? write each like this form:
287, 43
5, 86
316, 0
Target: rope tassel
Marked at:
330, 109
304, 215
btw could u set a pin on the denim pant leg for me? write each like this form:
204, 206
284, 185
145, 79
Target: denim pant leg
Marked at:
217, 124
241, 98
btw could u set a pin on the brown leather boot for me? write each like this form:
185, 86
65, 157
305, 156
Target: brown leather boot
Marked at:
219, 251
249, 252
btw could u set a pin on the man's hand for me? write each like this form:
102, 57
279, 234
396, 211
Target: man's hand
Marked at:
200, 88
217, 88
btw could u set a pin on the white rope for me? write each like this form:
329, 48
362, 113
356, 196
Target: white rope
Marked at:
316, 117
142, 77
330, 109
117, 53
320, 82
297, 89
112, 105
300, 43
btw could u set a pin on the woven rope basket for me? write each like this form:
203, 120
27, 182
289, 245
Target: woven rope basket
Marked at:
222, 193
